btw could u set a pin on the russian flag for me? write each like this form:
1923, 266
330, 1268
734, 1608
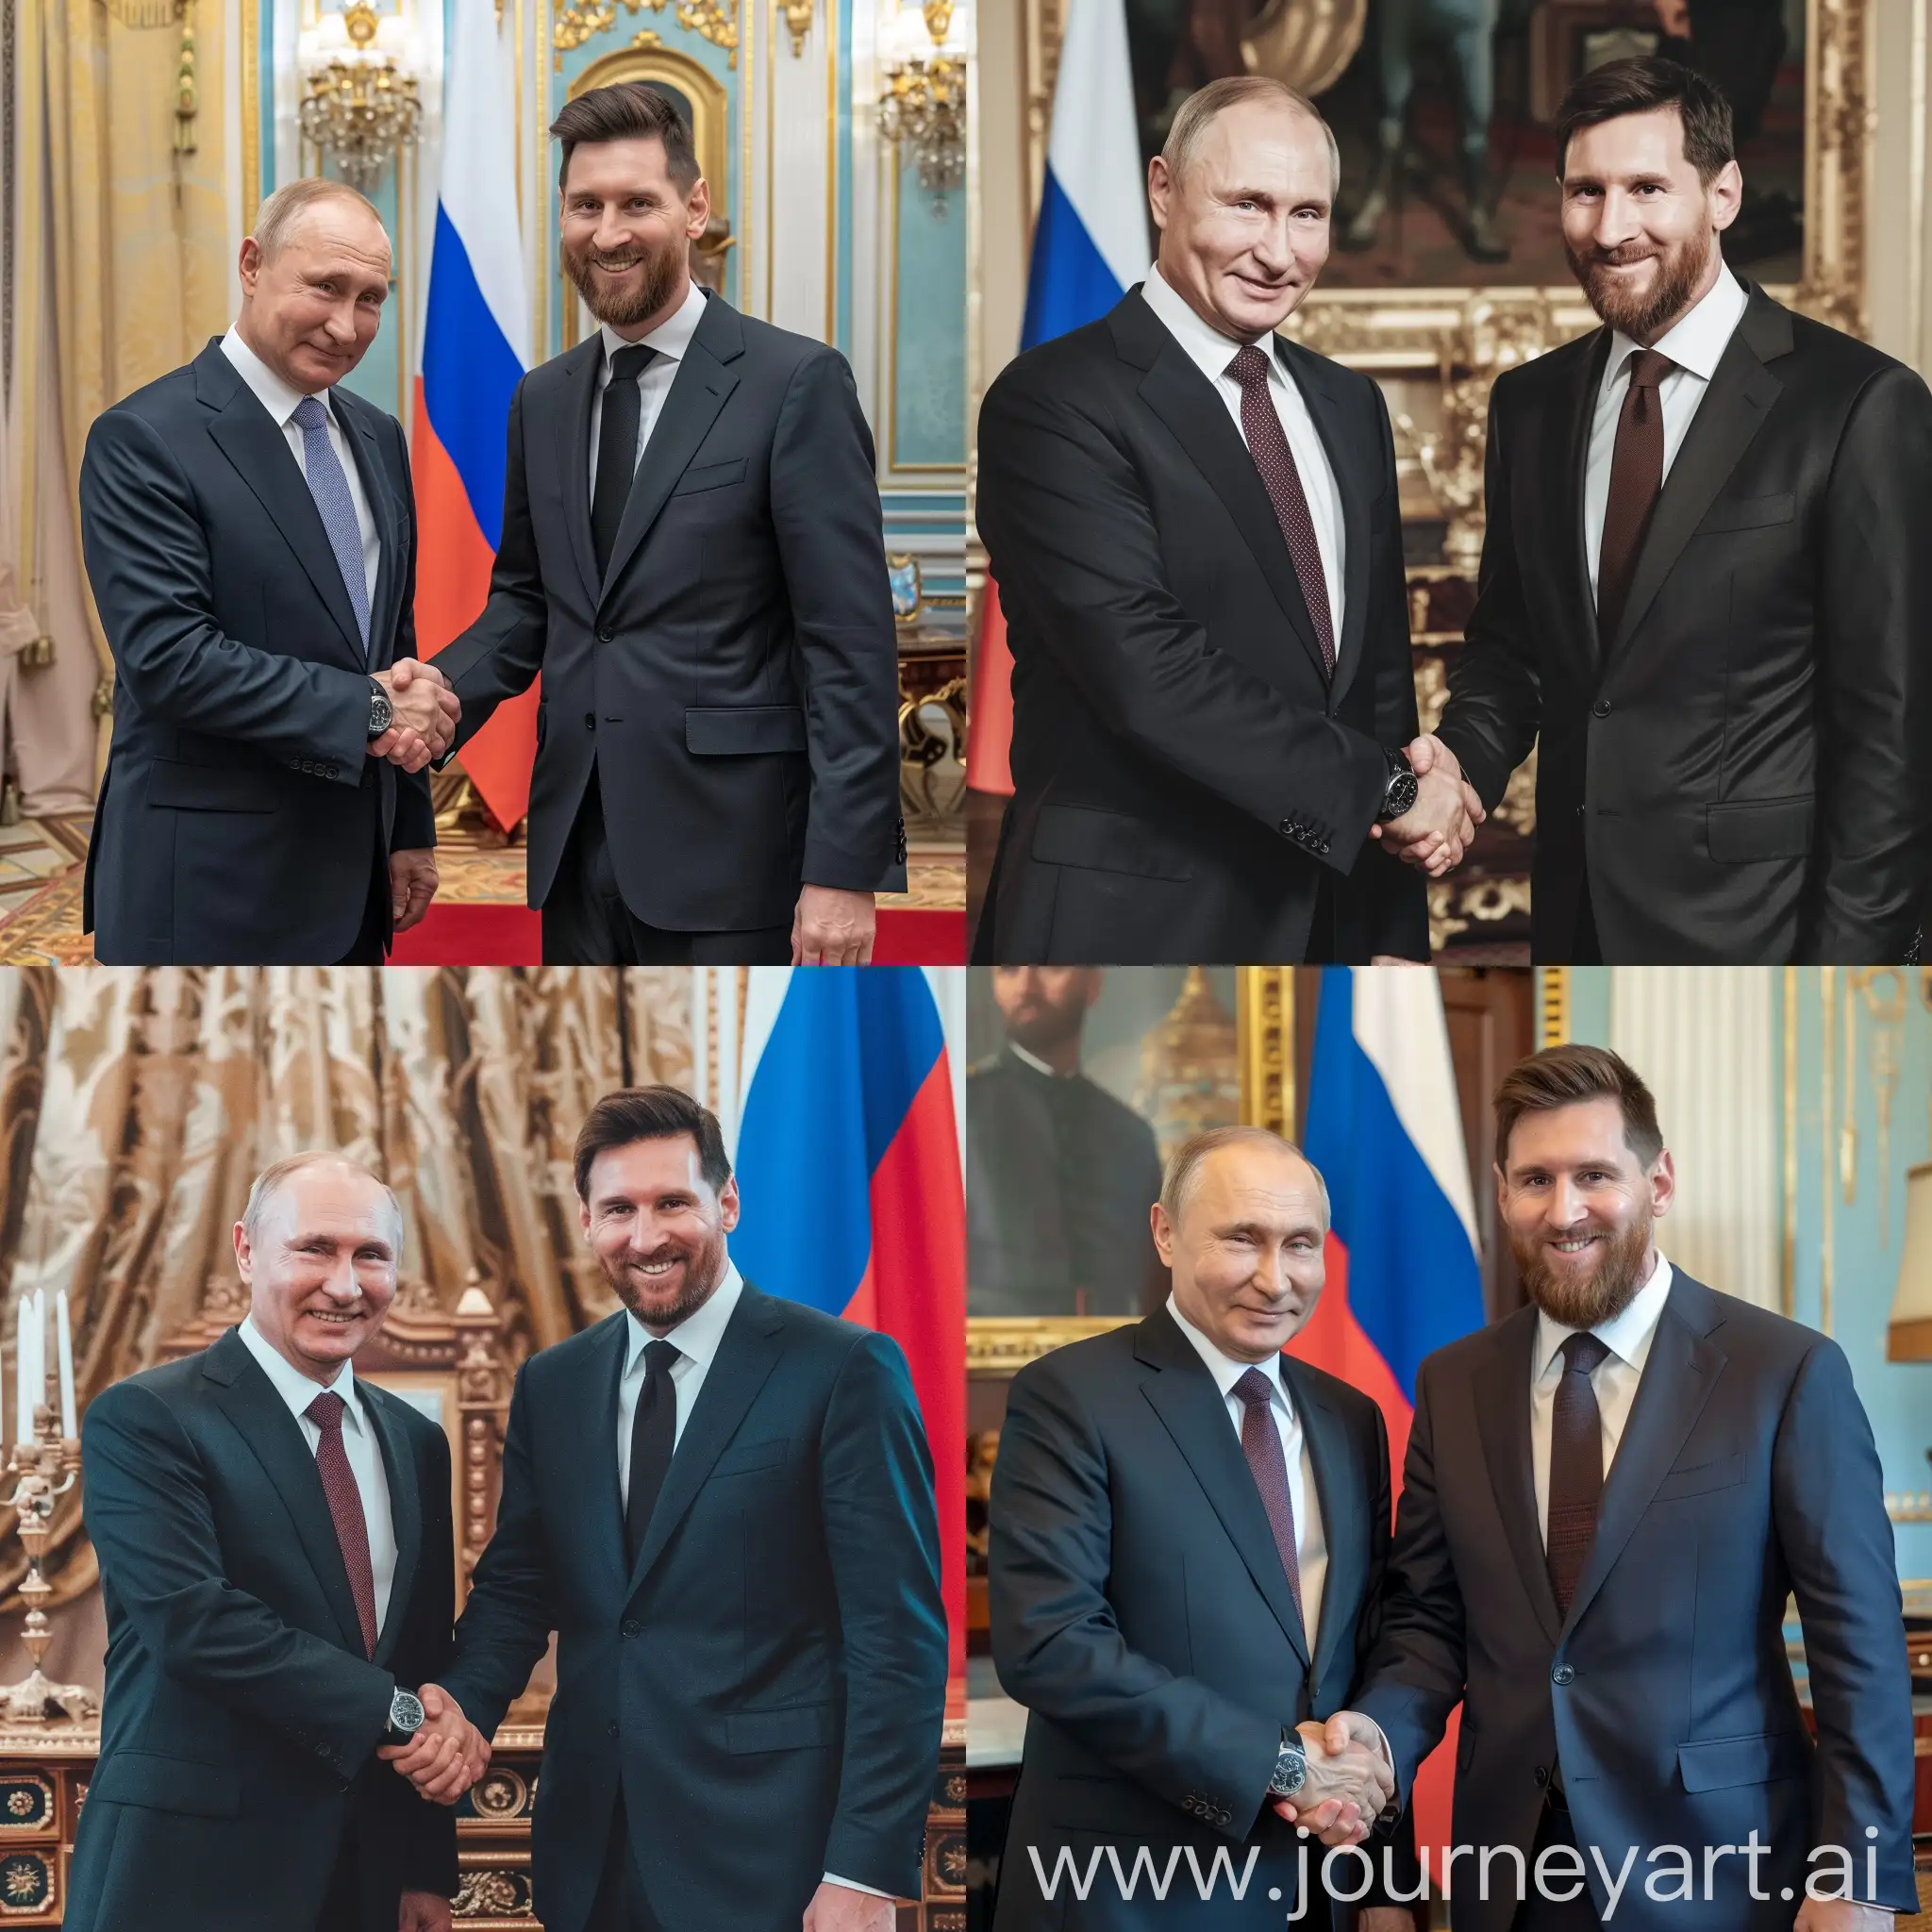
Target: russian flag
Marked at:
1090, 247
848, 1154
476, 347
1385, 1129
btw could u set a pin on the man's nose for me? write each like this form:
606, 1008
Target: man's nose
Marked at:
340, 1283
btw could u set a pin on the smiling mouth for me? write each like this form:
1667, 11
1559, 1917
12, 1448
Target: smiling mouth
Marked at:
653, 1271
336, 1318
1577, 1243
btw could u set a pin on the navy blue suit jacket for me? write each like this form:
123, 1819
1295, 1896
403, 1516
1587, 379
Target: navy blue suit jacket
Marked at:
240, 815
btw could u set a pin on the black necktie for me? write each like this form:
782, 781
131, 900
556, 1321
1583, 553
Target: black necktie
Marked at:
653, 1434
1637, 481
1576, 1468
617, 449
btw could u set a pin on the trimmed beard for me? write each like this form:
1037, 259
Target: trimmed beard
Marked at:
704, 1269
1642, 317
1600, 1296
661, 268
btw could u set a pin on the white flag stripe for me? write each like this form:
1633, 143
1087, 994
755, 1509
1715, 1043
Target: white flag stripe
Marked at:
1094, 147
478, 187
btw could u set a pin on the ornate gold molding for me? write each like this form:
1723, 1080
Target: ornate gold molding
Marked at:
1553, 1006
578, 20
1004, 1344
1265, 1017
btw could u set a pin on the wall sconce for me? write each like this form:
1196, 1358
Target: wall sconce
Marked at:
921, 104
360, 101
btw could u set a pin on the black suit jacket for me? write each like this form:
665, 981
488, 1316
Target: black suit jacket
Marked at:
1742, 770
1140, 1614
767, 1682
1060, 1177
1745, 1474
240, 815
1184, 775
242, 1717
734, 679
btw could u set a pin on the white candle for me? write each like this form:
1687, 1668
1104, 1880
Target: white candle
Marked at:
65, 1337
33, 1363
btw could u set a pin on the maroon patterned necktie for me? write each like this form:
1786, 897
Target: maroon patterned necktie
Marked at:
1267, 445
1637, 481
1262, 1445
345, 1506
1576, 1468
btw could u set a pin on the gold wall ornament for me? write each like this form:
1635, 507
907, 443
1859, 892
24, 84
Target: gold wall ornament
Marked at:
578, 21
797, 16
146, 15
921, 108
359, 105
1307, 43
1188, 1077
1265, 997
1455, 908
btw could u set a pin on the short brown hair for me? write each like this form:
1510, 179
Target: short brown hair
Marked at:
1569, 1075
1177, 1182
650, 1113
1194, 115
631, 110
1637, 87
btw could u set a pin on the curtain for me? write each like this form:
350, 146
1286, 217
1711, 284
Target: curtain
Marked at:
138, 1105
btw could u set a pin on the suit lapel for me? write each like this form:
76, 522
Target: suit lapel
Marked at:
593, 1449
698, 391
1344, 1505
263, 1420
1502, 1411
1312, 377
581, 369
1568, 497
1732, 413
747, 1354
404, 1511
249, 437
1193, 1412
1681, 1370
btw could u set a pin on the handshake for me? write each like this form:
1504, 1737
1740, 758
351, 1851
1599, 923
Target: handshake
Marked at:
426, 713
1433, 834
448, 1753
1349, 1783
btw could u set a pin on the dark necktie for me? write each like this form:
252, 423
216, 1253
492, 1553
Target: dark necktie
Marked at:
1637, 478
1576, 1468
617, 449
1267, 444
653, 1435
345, 1506
1262, 1445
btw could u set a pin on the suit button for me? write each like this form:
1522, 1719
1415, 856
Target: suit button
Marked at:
612, 1727
321, 1750
590, 720
1601, 708
1563, 1674
1286, 828
1543, 1775
329, 771
604, 634
1223, 1817
630, 1627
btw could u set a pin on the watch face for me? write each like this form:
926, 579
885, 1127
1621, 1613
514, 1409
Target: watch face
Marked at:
405, 1711
381, 712
1402, 792
1290, 1772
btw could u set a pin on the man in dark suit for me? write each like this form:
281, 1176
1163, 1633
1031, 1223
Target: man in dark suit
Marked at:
1189, 1530
1194, 526
273, 1536
251, 540
1058, 1172
1704, 583
1608, 1499
692, 559
722, 1502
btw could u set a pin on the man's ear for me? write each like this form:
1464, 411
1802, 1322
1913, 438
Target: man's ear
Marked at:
1163, 1228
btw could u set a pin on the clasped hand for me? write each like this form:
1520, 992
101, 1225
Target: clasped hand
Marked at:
448, 1753
1349, 1781
1433, 834
426, 712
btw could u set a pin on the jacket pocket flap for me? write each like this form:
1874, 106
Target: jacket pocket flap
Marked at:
1108, 840
1748, 513
722, 730
711, 475
1723, 1761
802, 1727
1725, 1473
1773, 828
167, 1784
746, 1456
212, 788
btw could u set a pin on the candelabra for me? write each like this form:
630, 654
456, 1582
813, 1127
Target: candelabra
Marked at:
921, 104
360, 102
46, 1468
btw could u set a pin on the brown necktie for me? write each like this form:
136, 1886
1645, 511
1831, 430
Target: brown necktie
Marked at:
345, 1506
1262, 1445
1267, 444
1636, 476
1576, 1468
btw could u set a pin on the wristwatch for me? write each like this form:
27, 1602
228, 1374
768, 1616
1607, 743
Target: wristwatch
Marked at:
382, 714
1291, 1762
405, 1717
1401, 788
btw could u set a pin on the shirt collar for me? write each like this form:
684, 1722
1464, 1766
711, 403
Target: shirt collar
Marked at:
1207, 347
1627, 1335
699, 1334
671, 337
271, 391
1695, 341
1225, 1370
1033, 1060
297, 1390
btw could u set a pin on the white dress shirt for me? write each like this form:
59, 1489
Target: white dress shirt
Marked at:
1211, 352
280, 401
1614, 1380
1311, 1544
671, 340
1696, 344
359, 1442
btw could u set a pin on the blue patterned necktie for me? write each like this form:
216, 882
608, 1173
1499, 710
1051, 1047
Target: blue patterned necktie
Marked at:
330, 488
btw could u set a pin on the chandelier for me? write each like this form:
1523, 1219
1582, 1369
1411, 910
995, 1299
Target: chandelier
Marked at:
921, 104
360, 102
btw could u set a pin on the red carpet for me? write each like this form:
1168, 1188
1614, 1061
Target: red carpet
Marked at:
512, 936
